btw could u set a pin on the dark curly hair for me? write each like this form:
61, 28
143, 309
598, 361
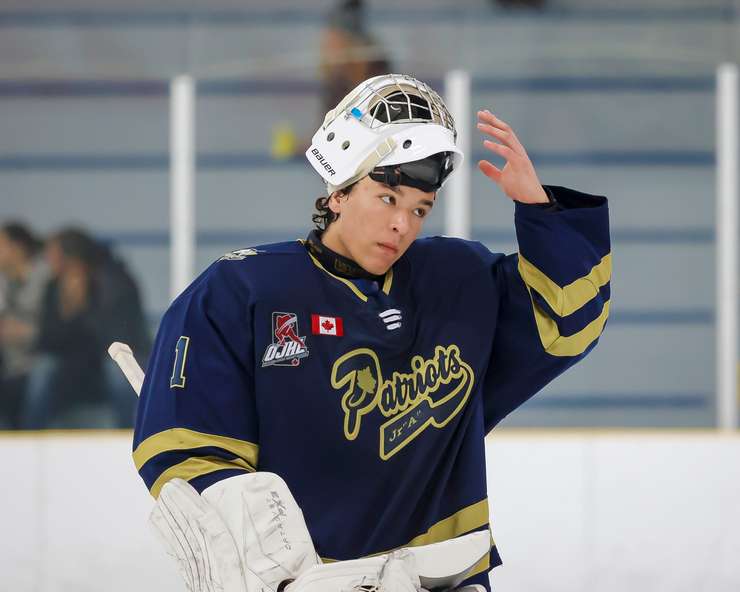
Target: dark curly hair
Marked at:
324, 216
23, 236
80, 245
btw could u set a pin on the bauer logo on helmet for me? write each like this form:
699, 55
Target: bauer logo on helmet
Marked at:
322, 160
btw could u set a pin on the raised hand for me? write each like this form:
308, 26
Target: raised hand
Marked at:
517, 179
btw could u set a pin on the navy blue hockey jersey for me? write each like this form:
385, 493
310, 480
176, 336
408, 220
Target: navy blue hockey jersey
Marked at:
372, 400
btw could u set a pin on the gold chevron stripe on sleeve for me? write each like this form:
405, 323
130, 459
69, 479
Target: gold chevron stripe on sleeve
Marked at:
196, 467
461, 522
184, 439
570, 298
572, 345
483, 565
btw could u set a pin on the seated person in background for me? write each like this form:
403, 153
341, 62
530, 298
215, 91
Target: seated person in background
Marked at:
69, 372
91, 301
122, 318
349, 53
24, 276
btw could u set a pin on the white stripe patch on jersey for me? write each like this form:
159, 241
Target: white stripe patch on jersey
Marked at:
389, 312
391, 318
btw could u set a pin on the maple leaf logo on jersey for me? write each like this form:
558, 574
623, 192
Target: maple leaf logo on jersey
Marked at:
365, 381
287, 347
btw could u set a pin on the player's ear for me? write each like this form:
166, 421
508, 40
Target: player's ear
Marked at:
335, 201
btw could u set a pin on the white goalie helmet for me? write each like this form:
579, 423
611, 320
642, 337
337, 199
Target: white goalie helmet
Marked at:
387, 120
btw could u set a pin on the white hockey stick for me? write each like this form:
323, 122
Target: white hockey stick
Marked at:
124, 357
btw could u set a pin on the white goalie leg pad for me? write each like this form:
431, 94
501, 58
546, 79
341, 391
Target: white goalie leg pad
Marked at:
244, 534
267, 524
439, 565
394, 572
200, 542
447, 563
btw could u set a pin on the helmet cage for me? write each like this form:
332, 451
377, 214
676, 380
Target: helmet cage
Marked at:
397, 99
387, 120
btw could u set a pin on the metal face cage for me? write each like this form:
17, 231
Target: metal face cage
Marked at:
394, 98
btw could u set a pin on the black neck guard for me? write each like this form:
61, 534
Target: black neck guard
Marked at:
334, 262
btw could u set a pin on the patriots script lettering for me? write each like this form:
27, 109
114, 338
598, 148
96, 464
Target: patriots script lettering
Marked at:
432, 394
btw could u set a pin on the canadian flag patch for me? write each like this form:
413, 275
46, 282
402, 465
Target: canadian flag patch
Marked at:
321, 325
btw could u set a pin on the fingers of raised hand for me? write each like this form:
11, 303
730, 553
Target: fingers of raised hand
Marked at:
489, 124
489, 118
497, 133
500, 149
490, 170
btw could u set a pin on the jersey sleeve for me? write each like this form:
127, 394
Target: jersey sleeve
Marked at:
197, 418
554, 298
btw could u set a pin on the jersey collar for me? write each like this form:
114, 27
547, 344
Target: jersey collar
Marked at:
341, 268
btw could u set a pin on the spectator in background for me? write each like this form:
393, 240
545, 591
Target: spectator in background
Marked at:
122, 318
24, 278
349, 53
68, 374
90, 302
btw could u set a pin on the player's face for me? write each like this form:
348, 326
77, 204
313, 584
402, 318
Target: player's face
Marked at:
377, 223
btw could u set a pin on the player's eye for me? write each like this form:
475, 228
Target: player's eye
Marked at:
420, 212
389, 199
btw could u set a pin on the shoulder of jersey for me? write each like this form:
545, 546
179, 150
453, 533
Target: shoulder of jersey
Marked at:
239, 271
284, 248
447, 252
260, 259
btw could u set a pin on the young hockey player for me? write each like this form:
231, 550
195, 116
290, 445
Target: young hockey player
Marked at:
364, 366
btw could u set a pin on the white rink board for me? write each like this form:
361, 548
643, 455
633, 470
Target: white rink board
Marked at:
572, 512
629, 512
